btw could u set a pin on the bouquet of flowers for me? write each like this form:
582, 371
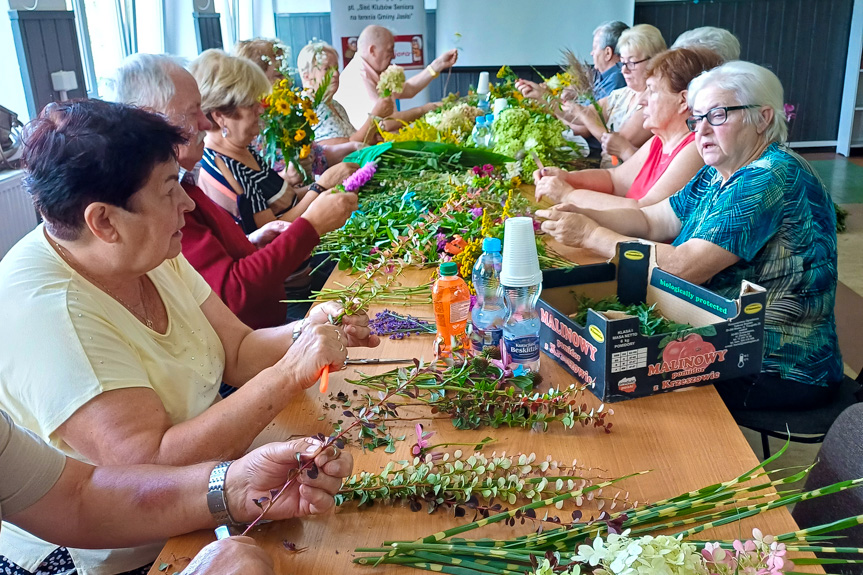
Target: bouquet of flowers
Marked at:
392, 81
288, 121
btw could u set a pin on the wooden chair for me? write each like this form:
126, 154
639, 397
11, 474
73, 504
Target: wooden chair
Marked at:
840, 458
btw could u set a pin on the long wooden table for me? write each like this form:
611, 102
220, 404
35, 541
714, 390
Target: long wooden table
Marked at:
687, 438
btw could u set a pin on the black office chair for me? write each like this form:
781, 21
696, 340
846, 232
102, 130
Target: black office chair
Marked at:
839, 459
809, 426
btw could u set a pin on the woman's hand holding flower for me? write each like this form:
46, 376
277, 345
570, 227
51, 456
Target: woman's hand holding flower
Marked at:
552, 187
567, 226
355, 326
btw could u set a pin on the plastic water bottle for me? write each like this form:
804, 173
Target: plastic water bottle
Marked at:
521, 279
489, 134
482, 89
480, 133
488, 313
451, 299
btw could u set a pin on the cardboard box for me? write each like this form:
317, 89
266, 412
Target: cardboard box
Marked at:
610, 352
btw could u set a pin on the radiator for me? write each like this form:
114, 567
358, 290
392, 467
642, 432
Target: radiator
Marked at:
17, 215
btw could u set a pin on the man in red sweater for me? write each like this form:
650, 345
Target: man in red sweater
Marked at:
247, 273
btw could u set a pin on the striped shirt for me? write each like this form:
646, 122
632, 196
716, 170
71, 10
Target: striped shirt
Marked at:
776, 216
260, 187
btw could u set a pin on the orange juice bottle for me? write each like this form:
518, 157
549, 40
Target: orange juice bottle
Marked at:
451, 298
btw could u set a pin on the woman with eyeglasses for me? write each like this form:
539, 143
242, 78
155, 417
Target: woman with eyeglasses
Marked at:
755, 212
661, 166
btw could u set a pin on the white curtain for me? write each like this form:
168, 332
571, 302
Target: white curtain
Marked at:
127, 25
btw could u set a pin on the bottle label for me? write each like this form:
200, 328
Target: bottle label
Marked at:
523, 349
483, 338
459, 310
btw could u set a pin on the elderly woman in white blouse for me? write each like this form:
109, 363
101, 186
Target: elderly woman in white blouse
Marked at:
334, 131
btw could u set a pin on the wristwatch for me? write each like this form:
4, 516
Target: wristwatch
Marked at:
216, 502
316, 187
298, 329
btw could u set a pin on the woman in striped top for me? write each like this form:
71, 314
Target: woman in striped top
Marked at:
233, 174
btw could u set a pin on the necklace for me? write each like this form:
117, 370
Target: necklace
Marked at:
145, 319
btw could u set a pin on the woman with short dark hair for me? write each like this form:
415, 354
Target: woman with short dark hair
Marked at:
114, 346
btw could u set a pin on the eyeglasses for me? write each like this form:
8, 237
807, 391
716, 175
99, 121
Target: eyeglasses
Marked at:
631, 65
714, 116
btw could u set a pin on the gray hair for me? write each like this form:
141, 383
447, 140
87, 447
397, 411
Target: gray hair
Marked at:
144, 80
609, 33
720, 40
751, 84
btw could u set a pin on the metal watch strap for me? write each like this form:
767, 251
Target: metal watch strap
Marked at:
298, 329
216, 502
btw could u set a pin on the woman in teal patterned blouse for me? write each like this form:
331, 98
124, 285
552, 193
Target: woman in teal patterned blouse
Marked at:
756, 211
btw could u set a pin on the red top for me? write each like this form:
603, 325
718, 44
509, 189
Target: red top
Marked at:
250, 281
655, 166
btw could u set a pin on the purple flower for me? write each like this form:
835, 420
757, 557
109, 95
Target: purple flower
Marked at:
472, 301
374, 250
790, 114
476, 212
477, 171
537, 226
360, 178
441, 241
488, 169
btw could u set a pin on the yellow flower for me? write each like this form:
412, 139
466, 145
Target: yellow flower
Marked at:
282, 107
502, 72
311, 117
307, 104
283, 83
299, 135
305, 151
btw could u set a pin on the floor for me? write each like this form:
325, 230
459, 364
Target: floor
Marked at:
844, 180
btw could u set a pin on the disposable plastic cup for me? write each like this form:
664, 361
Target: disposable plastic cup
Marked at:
520, 267
482, 84
500, 105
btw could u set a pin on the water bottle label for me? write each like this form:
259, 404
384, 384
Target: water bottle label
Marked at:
483, 338
523, 349
459, 310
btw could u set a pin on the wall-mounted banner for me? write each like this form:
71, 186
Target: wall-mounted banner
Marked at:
406, 19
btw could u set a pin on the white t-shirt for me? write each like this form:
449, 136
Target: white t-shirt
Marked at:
357, 91
65, 341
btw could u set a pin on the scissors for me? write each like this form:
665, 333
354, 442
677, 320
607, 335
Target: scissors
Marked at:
378, 361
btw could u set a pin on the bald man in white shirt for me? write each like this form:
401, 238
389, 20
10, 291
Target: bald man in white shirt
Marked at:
358, 81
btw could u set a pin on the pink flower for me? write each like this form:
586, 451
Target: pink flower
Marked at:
360, 178
477, 171
472, 301
488, 169
790, 114
374, 250
422, 440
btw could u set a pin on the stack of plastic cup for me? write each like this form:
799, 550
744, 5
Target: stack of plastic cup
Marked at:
500, 104
520, 266
482, 85
521, 279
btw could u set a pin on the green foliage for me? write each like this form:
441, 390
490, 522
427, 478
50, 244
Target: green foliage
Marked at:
650, 319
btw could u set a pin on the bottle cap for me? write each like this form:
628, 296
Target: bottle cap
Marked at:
489, 118
448, 269
480, 121
491, 245
520, 266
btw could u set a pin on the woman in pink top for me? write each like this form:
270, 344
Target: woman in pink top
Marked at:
661, 166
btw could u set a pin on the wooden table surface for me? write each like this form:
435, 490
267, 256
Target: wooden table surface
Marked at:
687, 438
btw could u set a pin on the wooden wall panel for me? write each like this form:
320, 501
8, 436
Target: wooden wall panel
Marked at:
46, 41
805, 42
208, 31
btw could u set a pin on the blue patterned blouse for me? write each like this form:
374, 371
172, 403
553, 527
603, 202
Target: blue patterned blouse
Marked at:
776, 216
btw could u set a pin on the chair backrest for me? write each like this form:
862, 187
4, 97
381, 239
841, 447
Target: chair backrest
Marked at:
840, 459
